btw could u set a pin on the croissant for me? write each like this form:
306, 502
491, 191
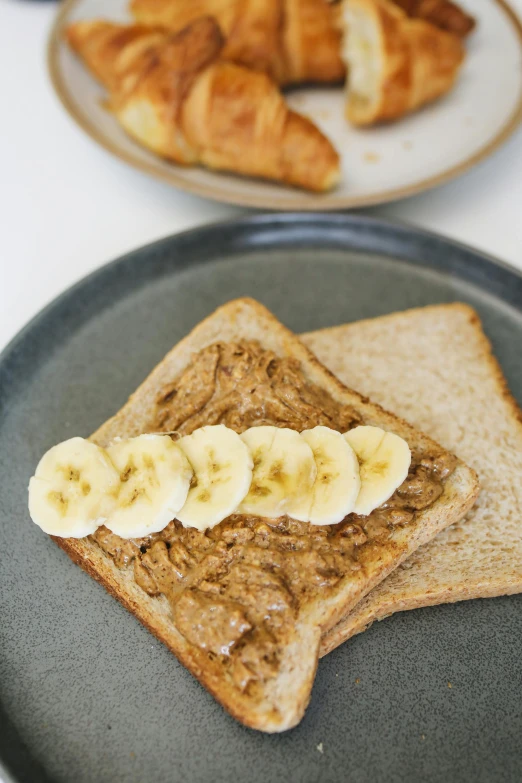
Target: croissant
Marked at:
173, 94
396, 64
294, 41
442, 13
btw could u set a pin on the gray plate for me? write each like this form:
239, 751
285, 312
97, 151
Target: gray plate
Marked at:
87, 694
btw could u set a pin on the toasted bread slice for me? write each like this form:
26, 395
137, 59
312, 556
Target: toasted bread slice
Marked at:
276, 702
435, 366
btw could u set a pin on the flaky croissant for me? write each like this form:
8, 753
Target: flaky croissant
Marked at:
172, 93
442, 13
294, 41
396, 64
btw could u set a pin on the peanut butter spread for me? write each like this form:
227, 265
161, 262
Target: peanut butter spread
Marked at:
235, 590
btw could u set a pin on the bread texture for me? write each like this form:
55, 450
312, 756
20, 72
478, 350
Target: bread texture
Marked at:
176, 95
396, 64
442, 13
293, 41
435, 367
284, 698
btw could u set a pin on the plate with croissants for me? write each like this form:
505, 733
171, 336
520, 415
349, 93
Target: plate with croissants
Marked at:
292, 104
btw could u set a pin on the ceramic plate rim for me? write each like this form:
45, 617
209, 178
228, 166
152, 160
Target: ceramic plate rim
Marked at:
292, 199
371, 229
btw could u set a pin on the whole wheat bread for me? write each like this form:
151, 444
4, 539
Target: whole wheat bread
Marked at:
284, 698
435, 367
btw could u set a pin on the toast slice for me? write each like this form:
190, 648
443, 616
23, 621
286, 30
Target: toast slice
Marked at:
256, 594
435, 367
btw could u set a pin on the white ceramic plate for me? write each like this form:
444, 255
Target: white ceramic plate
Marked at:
379, 165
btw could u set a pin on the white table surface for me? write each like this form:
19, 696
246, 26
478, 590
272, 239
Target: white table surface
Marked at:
67, 206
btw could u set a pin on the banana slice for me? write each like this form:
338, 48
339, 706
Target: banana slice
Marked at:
73, 489
337, 485
384, 461
222, 467
155, 477
284, 473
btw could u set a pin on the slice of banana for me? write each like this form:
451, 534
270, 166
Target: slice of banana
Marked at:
284, 472
222, 467
73, 489
384, 461
337, 485
154, 479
